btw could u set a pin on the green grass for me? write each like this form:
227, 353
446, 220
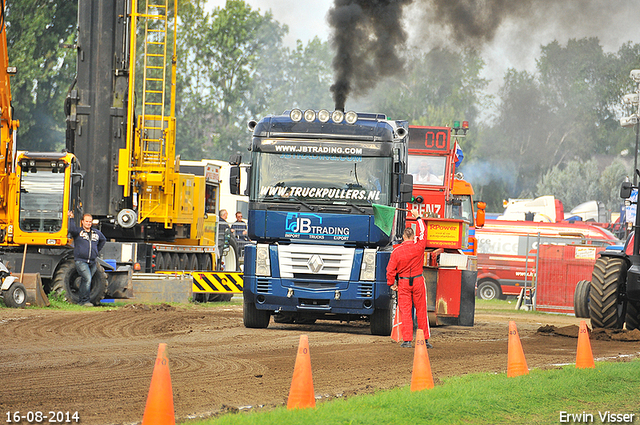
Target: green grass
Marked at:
537, 398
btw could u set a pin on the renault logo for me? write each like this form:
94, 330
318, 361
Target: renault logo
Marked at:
315, 263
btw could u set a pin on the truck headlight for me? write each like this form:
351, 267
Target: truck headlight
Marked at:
368, 268
263, 265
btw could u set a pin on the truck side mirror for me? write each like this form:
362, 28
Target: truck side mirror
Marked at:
406, 188
480, 214
234, 180
235, 159
77, 179
625, 190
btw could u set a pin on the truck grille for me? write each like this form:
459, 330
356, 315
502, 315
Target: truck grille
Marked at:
315, 261
365, 290
263, 286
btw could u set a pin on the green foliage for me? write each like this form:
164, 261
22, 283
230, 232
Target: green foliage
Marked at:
479, 399
579, 181
35, 31
566, 111
218, 54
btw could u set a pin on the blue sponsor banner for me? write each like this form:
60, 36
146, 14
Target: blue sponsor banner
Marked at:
319, 227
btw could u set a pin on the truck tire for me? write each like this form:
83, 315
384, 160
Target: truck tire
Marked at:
488, 290
193, 262
606, 308
382, 322
159, 262
15, 296
204, 262
67, 279
581, 299
633, 315
229, 260
254, 318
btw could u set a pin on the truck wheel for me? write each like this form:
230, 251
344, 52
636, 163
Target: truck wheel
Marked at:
633, 316
230, 258
606, 305
205, 262
254, 318
581, 299
67, 279
488, 290
15, 296
159, 262
381, 322
175, 262
193, 262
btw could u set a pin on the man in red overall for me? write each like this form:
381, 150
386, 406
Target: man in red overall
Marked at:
406, 263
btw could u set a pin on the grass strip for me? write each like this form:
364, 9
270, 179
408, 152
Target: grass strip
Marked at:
537, 398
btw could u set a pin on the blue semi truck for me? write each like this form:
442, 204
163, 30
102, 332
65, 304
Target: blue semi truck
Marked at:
315, 177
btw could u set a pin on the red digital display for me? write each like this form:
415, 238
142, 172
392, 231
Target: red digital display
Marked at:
432, 139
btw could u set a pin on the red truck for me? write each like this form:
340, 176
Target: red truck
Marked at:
442, 196
507, 251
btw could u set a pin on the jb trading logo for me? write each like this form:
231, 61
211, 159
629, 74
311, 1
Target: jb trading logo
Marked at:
310, 226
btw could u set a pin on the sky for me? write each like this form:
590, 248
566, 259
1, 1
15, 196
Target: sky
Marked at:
517, 39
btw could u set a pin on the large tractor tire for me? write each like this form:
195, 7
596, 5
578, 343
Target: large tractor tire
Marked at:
67, 279
633, 315
581, 299
606, 308
254, 318
15, 296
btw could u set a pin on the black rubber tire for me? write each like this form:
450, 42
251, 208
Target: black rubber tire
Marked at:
633, 315
193, 262
168, 261
254, 318
381, 322
488, 290
175, 261
230, 260
204, 262
159, 262
184, 262
581, 299
607, 310
15, 296
67, 279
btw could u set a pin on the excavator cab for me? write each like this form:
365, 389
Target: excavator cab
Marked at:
45, 183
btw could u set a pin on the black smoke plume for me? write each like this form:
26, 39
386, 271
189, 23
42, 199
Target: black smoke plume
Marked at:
368, 34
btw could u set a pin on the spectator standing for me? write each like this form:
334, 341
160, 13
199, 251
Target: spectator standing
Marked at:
87, 244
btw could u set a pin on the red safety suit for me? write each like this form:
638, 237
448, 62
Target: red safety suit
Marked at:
406, 262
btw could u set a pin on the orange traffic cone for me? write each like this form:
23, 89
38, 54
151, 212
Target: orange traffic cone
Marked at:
517, 364
421, 377
584, 358
159, 408
301, 393
395, 330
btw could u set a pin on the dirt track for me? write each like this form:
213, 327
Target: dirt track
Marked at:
100, 362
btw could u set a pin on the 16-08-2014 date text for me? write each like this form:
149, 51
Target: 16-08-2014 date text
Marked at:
38, 417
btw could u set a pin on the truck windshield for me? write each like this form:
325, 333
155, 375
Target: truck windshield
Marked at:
41, 201
427, 170
314, 178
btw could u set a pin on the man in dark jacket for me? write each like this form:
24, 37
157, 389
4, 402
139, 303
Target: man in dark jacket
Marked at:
87, 243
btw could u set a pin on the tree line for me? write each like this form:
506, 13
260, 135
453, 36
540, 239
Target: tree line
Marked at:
554, 131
